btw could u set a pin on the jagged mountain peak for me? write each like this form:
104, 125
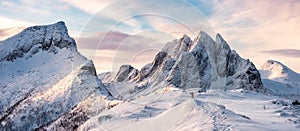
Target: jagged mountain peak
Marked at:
186, 38
50, 38
221, 43
203, 36
219, 37
177, 46
209, 62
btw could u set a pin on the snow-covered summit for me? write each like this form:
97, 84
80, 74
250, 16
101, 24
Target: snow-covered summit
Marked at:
277, 71
31, 40
45, 83
280, 80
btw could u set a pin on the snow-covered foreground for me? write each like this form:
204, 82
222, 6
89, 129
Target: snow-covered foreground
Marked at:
265, 112
174, 109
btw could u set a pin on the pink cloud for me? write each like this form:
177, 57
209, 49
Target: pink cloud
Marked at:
8, 32
252, 26
118, 48
283, 52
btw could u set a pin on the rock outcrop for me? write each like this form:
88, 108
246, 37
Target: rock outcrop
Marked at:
125, 73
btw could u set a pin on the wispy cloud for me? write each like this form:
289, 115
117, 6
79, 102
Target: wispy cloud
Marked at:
121, 41
283, 52
176, 17
111, 50
252, 26
258, 22
12, 23
248, 26
42, 12
10, 27
91, 6
108, 60
8, 32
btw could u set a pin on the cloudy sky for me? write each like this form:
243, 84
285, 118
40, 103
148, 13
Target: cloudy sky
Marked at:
114, 32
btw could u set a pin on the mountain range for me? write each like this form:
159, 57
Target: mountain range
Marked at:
46, 84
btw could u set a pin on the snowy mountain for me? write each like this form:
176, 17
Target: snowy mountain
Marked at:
208, 63
198, 84
276, 71
280, 80
228, 92
45, 83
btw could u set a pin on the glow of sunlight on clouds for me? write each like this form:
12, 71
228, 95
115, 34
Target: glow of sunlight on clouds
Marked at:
10, 23
91, 6
252, 26
10, 27
118, 48
249, 27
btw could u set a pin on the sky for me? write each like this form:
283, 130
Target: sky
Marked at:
116, 32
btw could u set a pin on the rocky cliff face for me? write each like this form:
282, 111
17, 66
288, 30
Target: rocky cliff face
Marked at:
45, 83
208, 63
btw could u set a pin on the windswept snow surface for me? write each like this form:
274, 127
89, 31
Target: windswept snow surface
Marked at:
174, 109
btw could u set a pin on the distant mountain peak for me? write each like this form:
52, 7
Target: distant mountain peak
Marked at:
276, 70
275, 67
33, 39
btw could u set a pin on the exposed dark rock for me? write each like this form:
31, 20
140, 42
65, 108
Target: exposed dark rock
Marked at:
183, 74
149, 69
125, 73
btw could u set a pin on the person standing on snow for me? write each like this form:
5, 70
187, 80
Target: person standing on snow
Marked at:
192, 94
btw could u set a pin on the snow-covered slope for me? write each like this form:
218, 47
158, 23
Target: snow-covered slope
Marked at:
174, 109
277, 71
280, 80
44, 80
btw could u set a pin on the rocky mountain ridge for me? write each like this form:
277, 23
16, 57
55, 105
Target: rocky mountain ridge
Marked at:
208, 63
